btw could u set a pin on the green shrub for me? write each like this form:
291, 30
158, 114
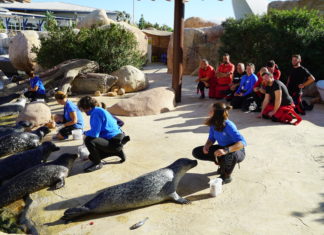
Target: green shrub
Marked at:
277, 36
112, 47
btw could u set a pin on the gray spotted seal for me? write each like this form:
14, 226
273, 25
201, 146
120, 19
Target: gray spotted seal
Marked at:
20, 127
36, 178
13, 165
12, 108
17, 142
148, 189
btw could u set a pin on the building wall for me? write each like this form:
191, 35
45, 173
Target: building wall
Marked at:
159, 45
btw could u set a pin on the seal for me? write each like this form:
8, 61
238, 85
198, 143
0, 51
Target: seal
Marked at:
18, 142
20, 127
13, 165
148, 189
12, 108
8, 98
36, 178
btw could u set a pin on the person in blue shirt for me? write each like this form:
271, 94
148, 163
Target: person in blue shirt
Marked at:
105, 138
71, 119
229, 149
245, 88
36, 89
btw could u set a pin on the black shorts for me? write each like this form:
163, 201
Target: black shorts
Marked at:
66, 131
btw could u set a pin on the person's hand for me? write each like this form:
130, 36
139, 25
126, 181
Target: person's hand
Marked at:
256, 89
219, 152
271, 113
301, 86
205, 149
197, 80
260, 115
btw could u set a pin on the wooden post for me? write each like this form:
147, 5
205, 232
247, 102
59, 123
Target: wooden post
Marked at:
178, 48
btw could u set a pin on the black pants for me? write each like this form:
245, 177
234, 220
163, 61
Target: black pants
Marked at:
227, 162
34, 95
238, 101
101, 148
66, 131
201, 87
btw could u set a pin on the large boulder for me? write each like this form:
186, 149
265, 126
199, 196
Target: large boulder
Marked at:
199, 43
131, 78
20, 54
94, 19
92, 82
197, 22
288, 5
150, 102
38, 113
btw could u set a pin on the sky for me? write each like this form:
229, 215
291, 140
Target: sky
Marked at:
161, 11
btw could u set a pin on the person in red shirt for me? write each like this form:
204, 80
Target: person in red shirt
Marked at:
224, 77
273, 68
205, 74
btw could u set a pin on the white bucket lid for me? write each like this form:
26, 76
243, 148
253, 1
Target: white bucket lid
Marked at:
320, 84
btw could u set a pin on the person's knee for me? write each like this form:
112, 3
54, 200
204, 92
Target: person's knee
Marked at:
196, 152
88, 142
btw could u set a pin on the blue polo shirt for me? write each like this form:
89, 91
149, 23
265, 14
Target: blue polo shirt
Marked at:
230, 135
102, 124
71, 107
36, 81
247, 84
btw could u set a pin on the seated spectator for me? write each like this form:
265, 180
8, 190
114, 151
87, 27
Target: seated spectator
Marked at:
105, 138
224, 77
273, 68
206, 72
259, 90
71, 118
36, 89
278, 104
238, 73
245, 88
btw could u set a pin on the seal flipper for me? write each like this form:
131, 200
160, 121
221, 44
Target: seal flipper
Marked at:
179, 199
73, 213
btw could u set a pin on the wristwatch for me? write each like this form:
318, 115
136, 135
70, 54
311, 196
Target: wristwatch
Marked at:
226, 149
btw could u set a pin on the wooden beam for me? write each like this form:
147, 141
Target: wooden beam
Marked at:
177, 70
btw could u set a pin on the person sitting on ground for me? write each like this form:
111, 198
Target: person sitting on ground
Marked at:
224, 77
230, 147
273, 68
259, 90
36, 89
245, 88
238, 73
298, 79
105, 137
277, 104
71, 118
206, 72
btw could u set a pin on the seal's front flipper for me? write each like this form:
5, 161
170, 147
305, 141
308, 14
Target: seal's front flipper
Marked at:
179, 199
59, 184
73, 213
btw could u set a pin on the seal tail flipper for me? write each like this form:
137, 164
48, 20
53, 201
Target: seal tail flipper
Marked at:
76, 212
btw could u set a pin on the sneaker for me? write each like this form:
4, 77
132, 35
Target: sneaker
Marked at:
93, 167
122, 156
227, 179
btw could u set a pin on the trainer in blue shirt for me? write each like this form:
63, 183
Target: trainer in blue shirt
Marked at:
105, 137
230, 147
36, 89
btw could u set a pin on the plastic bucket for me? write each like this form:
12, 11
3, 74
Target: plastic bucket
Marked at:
215, 187
320, 88
77, 134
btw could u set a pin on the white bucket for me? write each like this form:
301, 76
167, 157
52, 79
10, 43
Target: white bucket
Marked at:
320, 88
83, 152
77, 134
216, 187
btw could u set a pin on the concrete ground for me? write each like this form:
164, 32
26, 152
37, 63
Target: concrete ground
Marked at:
278, 188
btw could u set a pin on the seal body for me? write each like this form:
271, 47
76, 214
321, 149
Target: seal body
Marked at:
15, 164
12, 108
36, 178
20, 127
17, 142
8, 98
148, 189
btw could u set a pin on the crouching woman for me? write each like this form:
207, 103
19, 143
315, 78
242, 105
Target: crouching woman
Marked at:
229, 149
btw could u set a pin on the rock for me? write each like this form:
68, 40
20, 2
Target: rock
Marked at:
94, 19
131, 78
112, 93
97, 93
140, 37
288, 5
121, 91
197, 22
20, 48
114, 88
91, 82
38, 113
199, 43
150, 102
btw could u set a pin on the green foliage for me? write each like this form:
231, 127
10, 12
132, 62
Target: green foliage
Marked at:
112, 47
9, 222
142, 24
123, 16
50, 21
277, 36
